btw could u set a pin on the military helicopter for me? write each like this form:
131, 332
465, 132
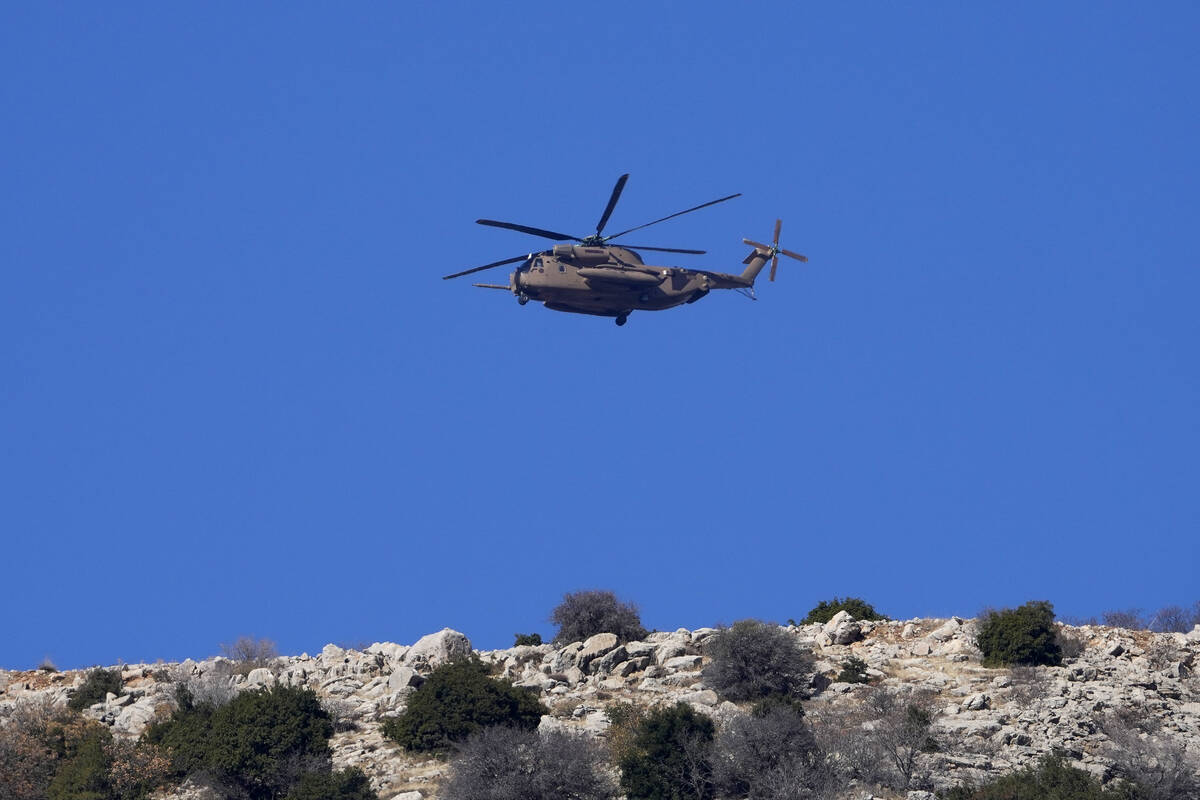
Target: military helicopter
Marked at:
609, 280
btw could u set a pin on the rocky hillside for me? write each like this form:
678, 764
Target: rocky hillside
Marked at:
990, 721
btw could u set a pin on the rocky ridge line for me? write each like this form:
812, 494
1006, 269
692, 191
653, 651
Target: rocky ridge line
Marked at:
996, 721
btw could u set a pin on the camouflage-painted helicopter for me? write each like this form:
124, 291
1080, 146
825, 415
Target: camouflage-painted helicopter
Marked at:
595, 277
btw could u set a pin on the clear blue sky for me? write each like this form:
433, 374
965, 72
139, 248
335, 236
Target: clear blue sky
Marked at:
237, 398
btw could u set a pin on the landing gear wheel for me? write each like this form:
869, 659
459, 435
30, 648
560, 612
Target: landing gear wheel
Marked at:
522, 298
621, 319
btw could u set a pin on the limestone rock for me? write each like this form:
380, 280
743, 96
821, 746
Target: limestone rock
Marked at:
566, 657
404, 677
134, 719
435, 649
594, 647
260, 678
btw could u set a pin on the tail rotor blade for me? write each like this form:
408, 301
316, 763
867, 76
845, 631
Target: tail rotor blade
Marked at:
778, 227
774, 265
796, 256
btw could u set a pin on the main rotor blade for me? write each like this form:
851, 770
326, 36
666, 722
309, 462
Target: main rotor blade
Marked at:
676, 214
796, 256
664, 249
485, 266
612, 202
512, 226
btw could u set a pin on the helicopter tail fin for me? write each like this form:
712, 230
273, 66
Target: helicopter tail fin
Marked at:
764, 252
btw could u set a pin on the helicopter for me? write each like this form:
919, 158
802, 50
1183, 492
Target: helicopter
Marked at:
611, 280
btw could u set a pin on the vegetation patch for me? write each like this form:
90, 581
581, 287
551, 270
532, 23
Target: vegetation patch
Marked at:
1023, 635
584, 614
262, 741
96, 686
669, 756
1051, 779
458, 699
752, 660
854, 606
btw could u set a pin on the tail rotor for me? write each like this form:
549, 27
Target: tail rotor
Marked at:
773, 249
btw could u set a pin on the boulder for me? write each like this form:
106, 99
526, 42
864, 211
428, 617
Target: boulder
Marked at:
261, 678
594, 647
609, 661
404, 677
435, 649
668, 650
566, 657
842, 629
977, 702
948, 630
685, 662
133, 720
391, 652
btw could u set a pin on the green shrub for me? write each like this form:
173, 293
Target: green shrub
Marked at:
84, 774
261, 741
584, 614
670, 756
854, 670
527, 639
458, 699
1023, 635
1050, 780
752, 660
345, 784
854, 606
96, 685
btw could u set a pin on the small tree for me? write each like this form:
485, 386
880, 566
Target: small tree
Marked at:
1130, 618
752, 660
854, 606
586, 613
1172, 619
1159, 766
501, 763
882, 738
249, 653
346, 784
1052, 779
96, 686
1023, 635
670, 756
522, 639
84, 773
458, 699
854, 670
770, 755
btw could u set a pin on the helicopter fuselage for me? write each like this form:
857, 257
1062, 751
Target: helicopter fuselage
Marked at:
609, 281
